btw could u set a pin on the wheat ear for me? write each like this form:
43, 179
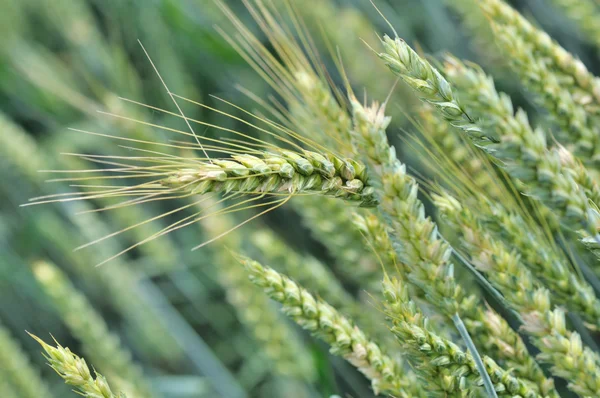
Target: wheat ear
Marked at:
345, 339
75, 371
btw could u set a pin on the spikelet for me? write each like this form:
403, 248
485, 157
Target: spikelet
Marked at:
17, 372
323, 321
88, 325
75, 371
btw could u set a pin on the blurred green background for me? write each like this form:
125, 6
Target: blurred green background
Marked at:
61, 61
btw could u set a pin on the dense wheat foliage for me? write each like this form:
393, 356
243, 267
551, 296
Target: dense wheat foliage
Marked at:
299, 198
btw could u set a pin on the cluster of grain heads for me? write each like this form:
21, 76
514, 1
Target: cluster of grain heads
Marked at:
345, 339
445, 369
426, 255
523, 150
86, 324
560, 82
75, 371
17, 372
542, 319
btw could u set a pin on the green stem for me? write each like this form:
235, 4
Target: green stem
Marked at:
487, 382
